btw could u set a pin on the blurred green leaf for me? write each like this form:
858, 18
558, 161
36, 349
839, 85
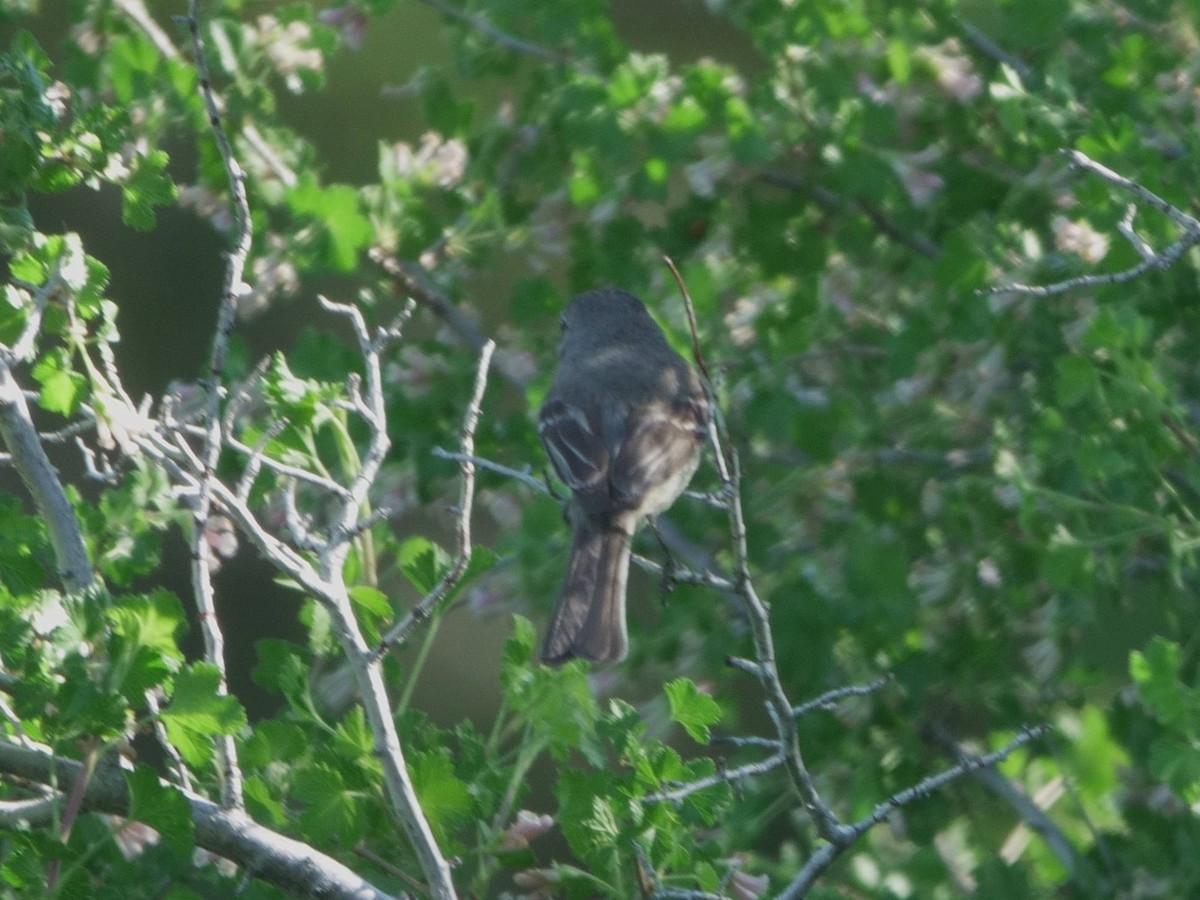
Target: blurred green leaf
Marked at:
197, 713
422, 562
162, 808
692, 709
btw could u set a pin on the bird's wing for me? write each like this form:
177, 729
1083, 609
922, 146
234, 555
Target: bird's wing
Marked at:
659, 454
575, 445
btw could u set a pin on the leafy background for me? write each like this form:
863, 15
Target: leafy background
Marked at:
992, 497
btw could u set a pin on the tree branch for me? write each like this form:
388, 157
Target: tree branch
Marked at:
235, 286
41, 478
462, 557
825, 855
1150, 260
502, 37
286, 863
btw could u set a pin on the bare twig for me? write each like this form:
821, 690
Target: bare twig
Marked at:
517, 475
183, 777
323, 575
779, 707
35, 811
411, 280
1150, 259
1031, 814
235, 286
825, 855
140, 16
991, 49
683, 575
462, 557
724, 776
502, 37
826, 198
830, 698
23, 347
837, 837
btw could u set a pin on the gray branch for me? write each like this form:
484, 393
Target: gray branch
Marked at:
288, 864
1150, 260
41, 478
825, 856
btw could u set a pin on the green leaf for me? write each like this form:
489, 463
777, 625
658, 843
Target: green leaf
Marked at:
148, 186
162, 808
151, 621
691, 708
422, 562
371, 599
899, 60
274, 742
1176, 762
482, 560
336, 209
587, 815
558, 703
197, 713
518, 651
283, 667
63, 389
1077, 379
143, 650
262, 803
332, 812
1156, 673
445, 800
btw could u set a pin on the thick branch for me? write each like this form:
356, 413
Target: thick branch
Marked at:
288, 864
29, 457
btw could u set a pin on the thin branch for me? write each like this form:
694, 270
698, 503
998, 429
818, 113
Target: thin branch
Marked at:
726, 776
779, 707
830, 698
1150, 260
1125, 227
183, 776
411, 280
462, 557
235, 286
702, 578
502, 37
825, 856
140, 16
745, 741
518, 475
991, 49
1031, 814
826, 198
10, 715
23, 348
137, 12
35, 812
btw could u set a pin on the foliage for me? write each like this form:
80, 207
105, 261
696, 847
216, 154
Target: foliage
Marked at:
991, 496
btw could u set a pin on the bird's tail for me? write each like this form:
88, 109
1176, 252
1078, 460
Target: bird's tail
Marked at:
589, 621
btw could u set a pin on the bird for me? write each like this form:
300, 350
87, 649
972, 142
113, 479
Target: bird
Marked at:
624, 425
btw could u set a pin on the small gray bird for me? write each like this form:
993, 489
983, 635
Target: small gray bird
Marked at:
624, 425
